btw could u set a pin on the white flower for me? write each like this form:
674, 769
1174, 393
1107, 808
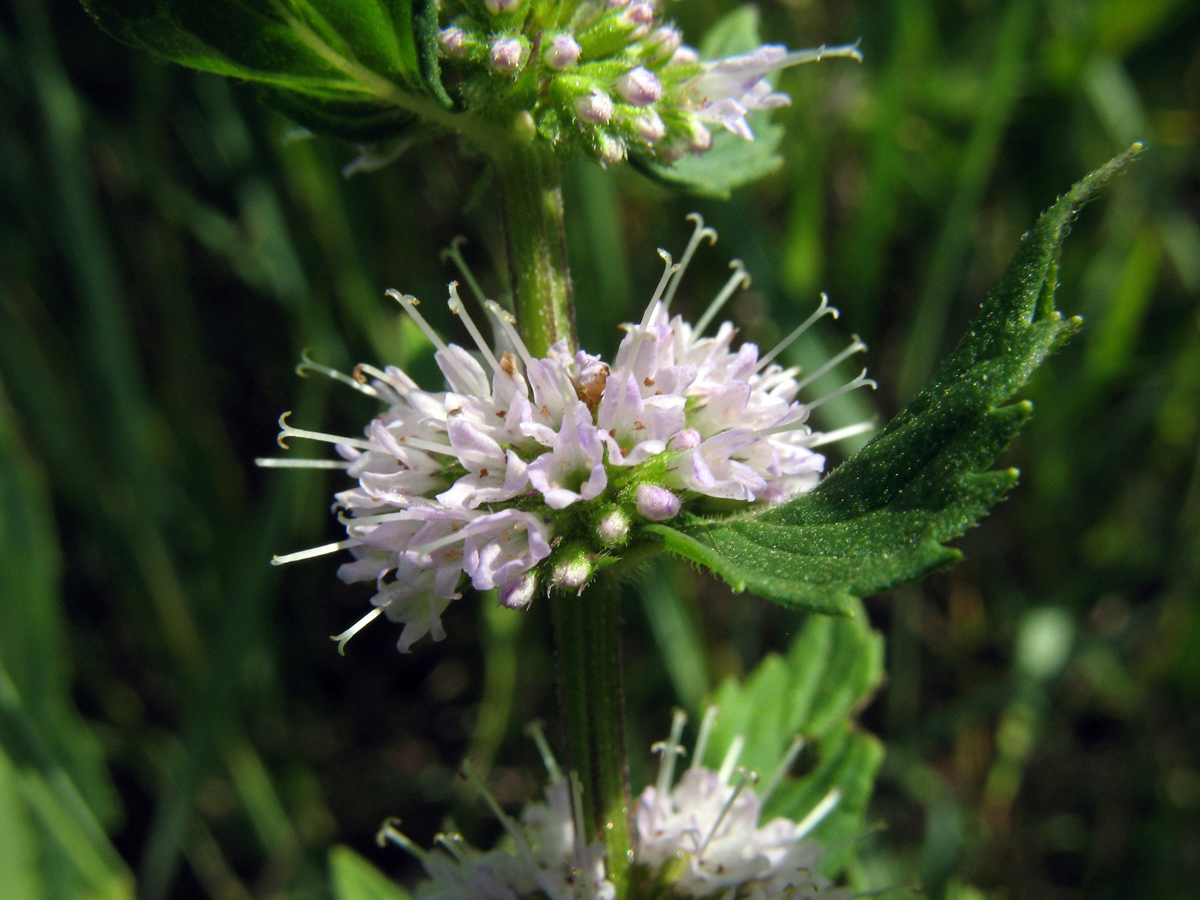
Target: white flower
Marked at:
699, 838
709, 820
525, 473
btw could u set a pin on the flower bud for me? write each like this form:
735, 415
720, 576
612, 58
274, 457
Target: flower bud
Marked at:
613, 526
684, 56
596, 107
573, 572
453, 41
649, 126
657, 503
687, 439
611, 150
639, 12
518, 594
495, 7
699, 138
561, 52
507, 55
665, 40
639, 86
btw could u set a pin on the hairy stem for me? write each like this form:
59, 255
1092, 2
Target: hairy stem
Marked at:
592, 698
531, 197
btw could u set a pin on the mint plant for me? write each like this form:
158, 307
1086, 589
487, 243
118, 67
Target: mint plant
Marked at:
545, 473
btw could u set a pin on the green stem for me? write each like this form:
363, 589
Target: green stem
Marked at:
592, 698
531, 198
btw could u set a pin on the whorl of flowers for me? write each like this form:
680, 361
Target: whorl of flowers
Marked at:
606, 77
698, 838
527, 474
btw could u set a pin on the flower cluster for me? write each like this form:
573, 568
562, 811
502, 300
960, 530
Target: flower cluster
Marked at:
607, 77
526, 474
700, 838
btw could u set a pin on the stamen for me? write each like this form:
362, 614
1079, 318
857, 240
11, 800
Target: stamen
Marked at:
669, 270
830, 437
670, 750
287, 431
534, 730
315, 551
697, 236
738, 278
506, 322
453, 253
452, 844
353, 630
275, 462
389, 832
731, 758
459, 534
816, 54
782, 769
427, 446
401, 389
818, 814
510, 826
856, 346
861, 381
706, 727
456, 306
773, 380
744, 778
306, 365
409, 302
804, 326
352, 521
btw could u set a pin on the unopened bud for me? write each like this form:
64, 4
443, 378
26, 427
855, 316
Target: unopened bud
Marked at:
574, 572
611, 150
684, 440
684, 56
613, 526
453, 41
495, 7
649, 125
657, 503
639, 86
639, 12
507, 55
665, 40
518, 594
699, 138
561, 52
596, 107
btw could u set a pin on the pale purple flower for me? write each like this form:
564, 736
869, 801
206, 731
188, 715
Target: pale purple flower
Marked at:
507, 54
531, 475
561, 52
639, 86
595, 107
573, 470
730, 88
657, 503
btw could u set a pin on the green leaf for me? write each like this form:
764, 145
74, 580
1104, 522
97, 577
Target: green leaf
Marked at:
880, 519
353, 68
830, 672
353, 878
732, 161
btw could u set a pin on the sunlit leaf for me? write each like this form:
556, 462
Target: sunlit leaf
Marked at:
881, 519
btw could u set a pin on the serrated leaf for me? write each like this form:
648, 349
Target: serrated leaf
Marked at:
353, 878
731, 161
881, 519
831, 670
338, 66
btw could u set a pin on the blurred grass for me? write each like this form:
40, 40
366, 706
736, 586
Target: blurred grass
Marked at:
170, 709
